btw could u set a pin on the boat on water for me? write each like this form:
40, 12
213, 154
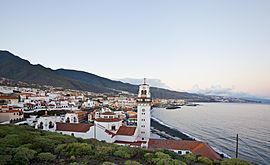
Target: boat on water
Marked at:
192, 104
173, 107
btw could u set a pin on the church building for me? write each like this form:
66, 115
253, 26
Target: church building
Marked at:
143, 112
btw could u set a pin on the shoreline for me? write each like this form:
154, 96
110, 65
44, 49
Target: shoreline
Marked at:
167, 131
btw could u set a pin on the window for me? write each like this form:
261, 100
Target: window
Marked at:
40, 125
187, 152
142, 132
143, 126
143, 92
72, 134
51, 125
143, 113
143, 110
179, 152
143, 119
113, 128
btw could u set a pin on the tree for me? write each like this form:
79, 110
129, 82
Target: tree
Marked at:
160, 158
108, 163
5, 159
125, 152
130, 162
46, 156
74, 149
43, 144
103, 151
204, 160
235, 162
189, 158
24, 154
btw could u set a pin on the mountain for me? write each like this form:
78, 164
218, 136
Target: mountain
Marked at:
152, 82
218, 90
15, 68
118, 85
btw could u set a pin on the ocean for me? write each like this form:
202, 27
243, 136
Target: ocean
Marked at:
218, 123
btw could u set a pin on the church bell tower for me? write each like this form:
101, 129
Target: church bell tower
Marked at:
143, 112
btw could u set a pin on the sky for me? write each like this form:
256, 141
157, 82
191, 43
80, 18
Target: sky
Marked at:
183, 43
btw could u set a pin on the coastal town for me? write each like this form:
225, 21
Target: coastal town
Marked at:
123, 118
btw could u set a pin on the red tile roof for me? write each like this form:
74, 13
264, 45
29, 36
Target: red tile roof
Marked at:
127, 109
108, 113
81, 113
133, 117
27, 94
10, 111
108, 120
9, 97
196, 147
73, 127
126, 131
4, 106
136, 143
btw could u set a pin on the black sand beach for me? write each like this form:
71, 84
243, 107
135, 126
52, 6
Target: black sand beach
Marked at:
170, 131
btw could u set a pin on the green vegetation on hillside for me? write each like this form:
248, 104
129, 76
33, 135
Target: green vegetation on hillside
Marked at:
26, 145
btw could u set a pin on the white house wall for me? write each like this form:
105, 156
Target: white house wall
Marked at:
108, 125
102, 135
126, 138
83, 135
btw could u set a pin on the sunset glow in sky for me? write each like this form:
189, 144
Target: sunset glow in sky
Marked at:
182, 43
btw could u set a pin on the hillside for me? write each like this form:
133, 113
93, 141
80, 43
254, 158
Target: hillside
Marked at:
118, 85
26, 145
15, 68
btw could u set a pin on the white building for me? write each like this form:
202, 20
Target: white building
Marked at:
81, 130
89, 104
112, 124
10, 114
143, 112
108, 115
71, 118
9, 100
32, 120
47, 123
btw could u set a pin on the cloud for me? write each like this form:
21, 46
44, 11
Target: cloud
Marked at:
218, 90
